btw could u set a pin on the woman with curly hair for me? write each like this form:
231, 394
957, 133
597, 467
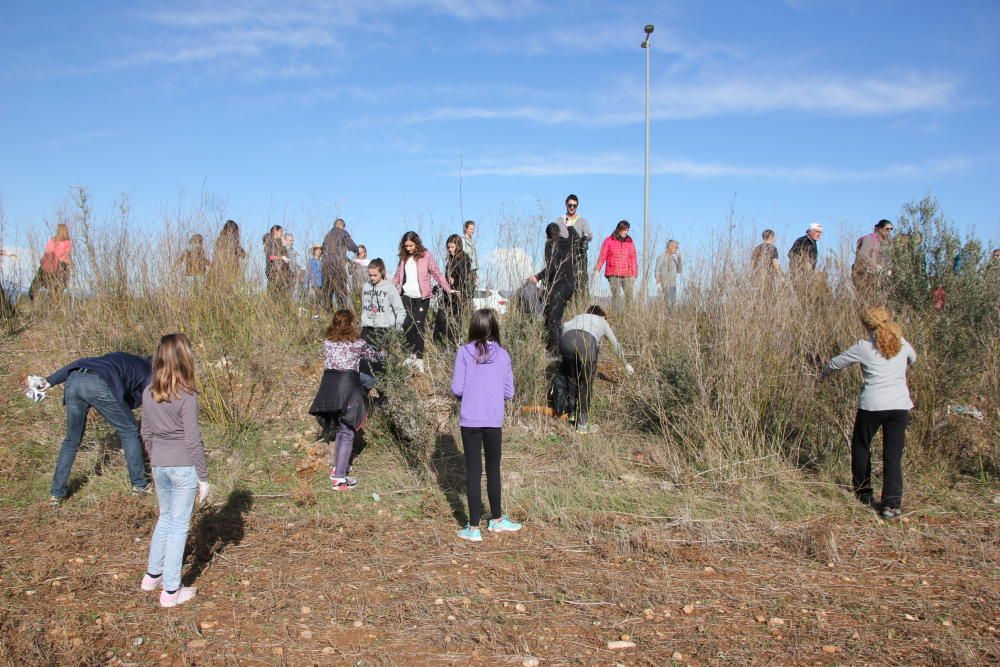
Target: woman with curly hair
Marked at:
413, 280
884, 404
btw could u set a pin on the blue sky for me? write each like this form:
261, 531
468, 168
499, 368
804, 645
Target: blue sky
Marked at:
785, 112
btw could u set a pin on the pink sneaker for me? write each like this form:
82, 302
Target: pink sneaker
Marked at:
180, 596
150, 583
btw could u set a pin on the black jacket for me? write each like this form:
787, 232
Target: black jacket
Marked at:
803, 250
558, 269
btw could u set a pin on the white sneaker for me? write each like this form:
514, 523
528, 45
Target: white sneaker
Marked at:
180, 596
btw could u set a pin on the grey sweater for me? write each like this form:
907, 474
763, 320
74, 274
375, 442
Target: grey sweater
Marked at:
381, 306
597, 327
885, 379
170, 432
582, 226
667, 268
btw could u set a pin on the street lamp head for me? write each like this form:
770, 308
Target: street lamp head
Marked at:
649, 32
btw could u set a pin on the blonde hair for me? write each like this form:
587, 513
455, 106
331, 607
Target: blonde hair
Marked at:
173, 368
888, 334
62, 232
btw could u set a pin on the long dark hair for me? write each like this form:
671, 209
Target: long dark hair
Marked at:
457, 240
483, 328
230, 229
342, 327
418, 252
552, 231
623, 224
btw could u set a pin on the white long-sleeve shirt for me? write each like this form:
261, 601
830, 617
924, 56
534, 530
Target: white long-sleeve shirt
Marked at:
884, 379
597, 327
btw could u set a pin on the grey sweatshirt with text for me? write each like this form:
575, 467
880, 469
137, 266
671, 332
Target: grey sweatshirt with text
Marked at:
381, 306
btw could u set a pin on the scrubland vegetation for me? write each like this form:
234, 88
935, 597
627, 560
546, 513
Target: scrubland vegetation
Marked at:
718, 479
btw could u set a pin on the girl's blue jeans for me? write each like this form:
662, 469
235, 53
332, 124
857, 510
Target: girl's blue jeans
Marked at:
176, 488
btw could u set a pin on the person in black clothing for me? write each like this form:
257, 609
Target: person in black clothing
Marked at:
276, 268
335, 244
804, 252
458, 271
559, 282
112, 385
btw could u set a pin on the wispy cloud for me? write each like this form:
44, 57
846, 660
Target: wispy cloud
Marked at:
674, 100
623, 34
257, 32
620, 164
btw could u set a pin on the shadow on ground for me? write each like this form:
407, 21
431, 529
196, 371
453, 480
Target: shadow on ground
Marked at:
217, 528
448, 465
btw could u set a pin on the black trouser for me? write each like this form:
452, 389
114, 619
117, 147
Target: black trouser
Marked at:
413, 326
579, 364
555, 303
474, 441
866, 425
377, 337
448, 324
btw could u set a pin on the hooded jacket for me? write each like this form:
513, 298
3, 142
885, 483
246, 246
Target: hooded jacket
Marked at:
381, 306
482, 385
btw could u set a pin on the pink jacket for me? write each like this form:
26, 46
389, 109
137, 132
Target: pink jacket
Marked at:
426, 267
619, 256
60, 249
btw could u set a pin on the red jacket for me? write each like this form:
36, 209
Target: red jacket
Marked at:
619, 256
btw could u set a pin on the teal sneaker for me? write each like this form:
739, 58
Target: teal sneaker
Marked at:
586, 429
503, 525
471, 534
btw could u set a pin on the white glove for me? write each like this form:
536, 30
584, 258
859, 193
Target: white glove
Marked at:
37, 383
35, 395
629, 369
204, 489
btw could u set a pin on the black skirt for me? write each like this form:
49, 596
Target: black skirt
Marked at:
341, 397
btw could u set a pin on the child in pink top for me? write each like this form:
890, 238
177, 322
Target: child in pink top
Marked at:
53, 270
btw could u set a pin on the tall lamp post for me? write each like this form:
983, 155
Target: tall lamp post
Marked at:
645, 186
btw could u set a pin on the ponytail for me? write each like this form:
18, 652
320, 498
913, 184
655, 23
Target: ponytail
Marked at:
888, 334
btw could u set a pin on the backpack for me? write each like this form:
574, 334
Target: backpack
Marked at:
50, 264
562, 402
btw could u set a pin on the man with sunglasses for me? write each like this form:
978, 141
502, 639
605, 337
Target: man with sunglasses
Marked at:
577, 230
873, 262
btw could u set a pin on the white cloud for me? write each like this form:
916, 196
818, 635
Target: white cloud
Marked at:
674, 100
506, 268
619, 164
608, 37
243, 32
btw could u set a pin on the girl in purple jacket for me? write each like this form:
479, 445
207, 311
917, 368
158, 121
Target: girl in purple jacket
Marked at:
483, 380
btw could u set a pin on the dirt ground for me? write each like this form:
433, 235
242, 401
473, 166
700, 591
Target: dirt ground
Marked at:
281, 584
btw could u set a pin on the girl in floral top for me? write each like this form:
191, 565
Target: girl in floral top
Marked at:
340, 404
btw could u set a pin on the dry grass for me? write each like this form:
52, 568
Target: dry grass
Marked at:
724, 452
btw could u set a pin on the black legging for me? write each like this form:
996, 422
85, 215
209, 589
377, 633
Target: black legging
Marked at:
866, 425
579, 358
555, 304
413, 326
474, 441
